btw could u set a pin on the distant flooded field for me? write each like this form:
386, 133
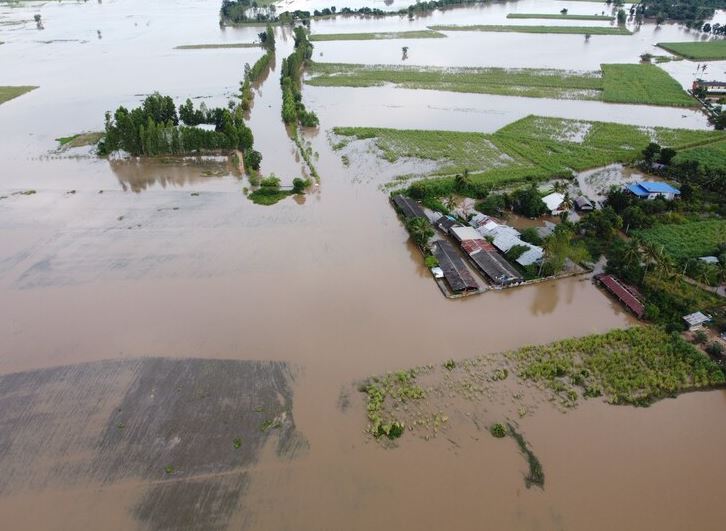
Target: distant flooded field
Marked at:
122, 281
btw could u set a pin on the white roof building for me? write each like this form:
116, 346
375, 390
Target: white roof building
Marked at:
695, 321
465, 233
505, 237
554, 202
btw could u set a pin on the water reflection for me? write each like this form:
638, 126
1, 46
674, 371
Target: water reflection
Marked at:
137, 175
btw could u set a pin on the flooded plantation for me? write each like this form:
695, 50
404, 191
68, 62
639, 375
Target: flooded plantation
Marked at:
175, 356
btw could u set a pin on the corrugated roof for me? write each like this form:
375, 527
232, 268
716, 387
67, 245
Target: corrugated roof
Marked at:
496, 267
697, 318
457, 275
658, 188
553, 200
446, 222
465, 233
472, 246
614, 286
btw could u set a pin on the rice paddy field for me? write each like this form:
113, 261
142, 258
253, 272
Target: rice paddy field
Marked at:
713, 50
616, 83
687, 240
565, 30
531, 148
644, 84
543, 16
8, 93
390, 35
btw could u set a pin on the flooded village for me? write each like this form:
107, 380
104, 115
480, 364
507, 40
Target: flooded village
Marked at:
342, 265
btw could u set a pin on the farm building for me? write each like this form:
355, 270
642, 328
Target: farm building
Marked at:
457, 276
695, 321
583, 204
408, 207
554, 203
623, 294
713, 89
651, 190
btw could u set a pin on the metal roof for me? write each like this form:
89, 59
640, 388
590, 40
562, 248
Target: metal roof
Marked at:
553, 201
614, 286
465, 233
645, 188
455, 271
496, 267
697, 318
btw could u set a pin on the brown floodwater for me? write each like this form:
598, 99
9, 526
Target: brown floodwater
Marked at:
172, 261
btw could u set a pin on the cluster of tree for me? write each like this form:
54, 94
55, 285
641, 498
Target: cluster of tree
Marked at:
293, 109
254, 73
153, 129
241, 11
715, 29
690, 12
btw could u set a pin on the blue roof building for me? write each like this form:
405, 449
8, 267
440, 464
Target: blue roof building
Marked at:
651, 190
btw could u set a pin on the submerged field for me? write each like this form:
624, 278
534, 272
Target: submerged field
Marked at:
215, 46
566, 30
635, 366
687, 240
532, 148
714, 50
8, 93
422, 34
637, 83
543, 16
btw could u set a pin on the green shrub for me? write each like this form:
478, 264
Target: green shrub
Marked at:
498, 430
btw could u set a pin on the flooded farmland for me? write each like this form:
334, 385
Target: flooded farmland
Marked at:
173, 356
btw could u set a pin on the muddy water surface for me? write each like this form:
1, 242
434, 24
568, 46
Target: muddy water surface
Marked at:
172, 261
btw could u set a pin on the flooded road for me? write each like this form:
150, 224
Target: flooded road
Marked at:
113, 263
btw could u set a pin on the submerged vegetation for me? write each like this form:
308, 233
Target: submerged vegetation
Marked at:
713, 50
293, 109
642, 83
567, 30
8, 93
217, 46
254, 73
80, 140
536, 474
564, 16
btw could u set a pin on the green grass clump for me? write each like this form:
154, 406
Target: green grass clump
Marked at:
635, 366
560, 17
498, 430
384, 35
687, 240
216, 46
8, 93
713, 50
567, 30
268, 197
79, 140
530, 82
643, 83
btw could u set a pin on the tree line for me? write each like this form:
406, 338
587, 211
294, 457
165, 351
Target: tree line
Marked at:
254, 73
293, 109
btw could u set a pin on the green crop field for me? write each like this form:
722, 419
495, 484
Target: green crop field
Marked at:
644, 84
636, 83
567, 30
422, 34
713, 50
709, 156
531, 148
514, 82
559, 17
8, 93
687, 240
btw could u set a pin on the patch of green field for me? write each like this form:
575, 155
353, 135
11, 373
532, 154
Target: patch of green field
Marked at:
642, 83
687, 240
531, 148
267, 197
8, 93
215, 46
559, 17
81, 139
566, 30
422, 34
532, 82
711, 156
713, 50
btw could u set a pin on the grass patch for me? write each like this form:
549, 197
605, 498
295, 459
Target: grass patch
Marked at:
216, 46
531, 82
565, 30
385, 35
8, 93
262, 196
642, 83
396, 388
711, 156
80, 140
559, 17
713, 50
531, 148
687, 240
